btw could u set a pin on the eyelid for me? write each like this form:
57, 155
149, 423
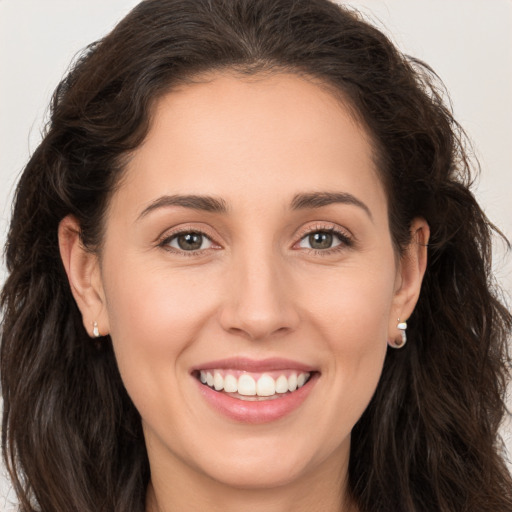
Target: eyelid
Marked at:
163, 239
346, 237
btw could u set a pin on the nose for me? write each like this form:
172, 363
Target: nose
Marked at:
259, 298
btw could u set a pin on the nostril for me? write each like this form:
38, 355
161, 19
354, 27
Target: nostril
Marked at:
259, 307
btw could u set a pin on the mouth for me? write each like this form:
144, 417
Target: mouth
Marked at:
254, 392
253, 386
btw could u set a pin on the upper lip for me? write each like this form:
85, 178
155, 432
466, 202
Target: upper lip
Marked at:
254, 365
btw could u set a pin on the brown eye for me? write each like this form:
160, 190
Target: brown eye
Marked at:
190, 241
321, 240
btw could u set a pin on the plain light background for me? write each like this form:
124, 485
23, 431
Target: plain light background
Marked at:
469, 44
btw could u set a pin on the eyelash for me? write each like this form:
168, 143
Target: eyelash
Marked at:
346, 241
166, 240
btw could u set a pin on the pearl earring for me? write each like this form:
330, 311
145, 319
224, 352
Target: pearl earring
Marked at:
95, 330
402, 327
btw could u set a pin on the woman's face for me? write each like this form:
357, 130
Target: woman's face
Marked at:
248, 245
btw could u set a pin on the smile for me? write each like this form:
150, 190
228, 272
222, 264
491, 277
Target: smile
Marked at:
255, 391
253, 386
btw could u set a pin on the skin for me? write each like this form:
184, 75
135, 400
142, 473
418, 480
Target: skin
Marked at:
258, 290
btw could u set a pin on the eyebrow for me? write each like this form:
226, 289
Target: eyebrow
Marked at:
218, 205
320, 199
194, 202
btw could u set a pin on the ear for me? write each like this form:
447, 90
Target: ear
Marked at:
411, 270
83, 271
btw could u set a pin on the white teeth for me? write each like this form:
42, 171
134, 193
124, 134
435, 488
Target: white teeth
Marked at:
218, 381
292, 382
266, 386
282, 384
246, 384
301, 380
230, 384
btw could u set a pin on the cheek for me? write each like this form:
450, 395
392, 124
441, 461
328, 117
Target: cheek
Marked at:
154, 315
352, 317
353, 308
146, 300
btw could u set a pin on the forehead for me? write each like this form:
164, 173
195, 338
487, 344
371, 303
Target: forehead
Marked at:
242, 102
228, 135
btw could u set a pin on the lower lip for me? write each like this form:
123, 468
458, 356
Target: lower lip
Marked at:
263, 411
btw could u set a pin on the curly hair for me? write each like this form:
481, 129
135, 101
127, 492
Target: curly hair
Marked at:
429, 437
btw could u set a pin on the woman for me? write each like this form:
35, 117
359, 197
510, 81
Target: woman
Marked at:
246, 273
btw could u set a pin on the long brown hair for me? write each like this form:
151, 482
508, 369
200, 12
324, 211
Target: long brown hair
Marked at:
72, 439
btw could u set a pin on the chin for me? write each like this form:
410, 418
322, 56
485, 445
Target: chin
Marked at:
274, 462
265, 473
